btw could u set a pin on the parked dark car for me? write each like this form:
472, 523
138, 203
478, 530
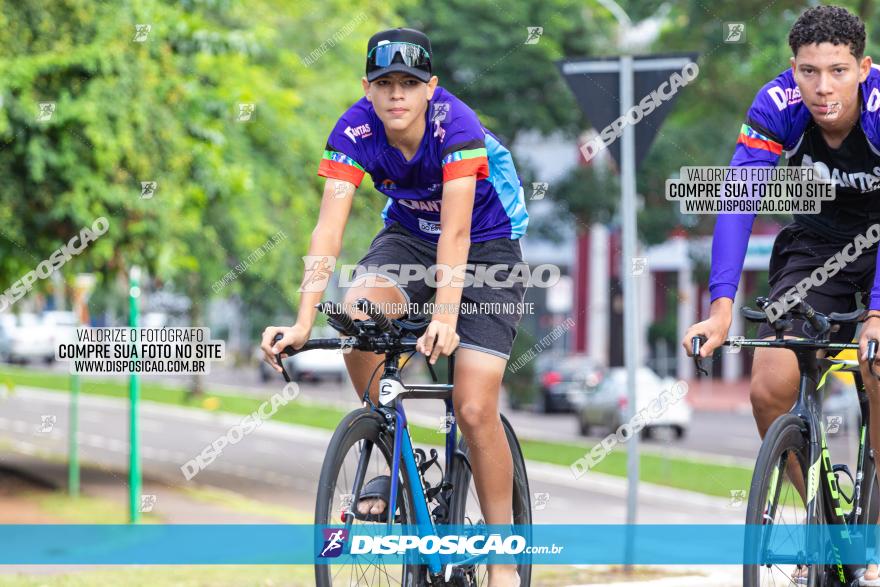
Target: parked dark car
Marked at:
564, 380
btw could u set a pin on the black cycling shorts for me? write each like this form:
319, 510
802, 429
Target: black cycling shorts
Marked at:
796, 253
487, 316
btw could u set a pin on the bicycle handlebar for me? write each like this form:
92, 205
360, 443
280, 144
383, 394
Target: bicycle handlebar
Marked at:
346, 324
374, 312
696, 342
819, 322
380, 336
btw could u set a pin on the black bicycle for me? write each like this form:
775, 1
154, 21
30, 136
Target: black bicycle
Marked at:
372, 445
794, 482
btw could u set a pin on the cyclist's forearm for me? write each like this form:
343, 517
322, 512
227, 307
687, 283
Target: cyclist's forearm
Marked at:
722, 307
452, 254
321, 262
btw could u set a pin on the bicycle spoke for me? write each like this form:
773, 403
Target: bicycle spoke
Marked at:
364, 569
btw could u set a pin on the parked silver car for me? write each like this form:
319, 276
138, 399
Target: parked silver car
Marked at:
28, 339
606, 406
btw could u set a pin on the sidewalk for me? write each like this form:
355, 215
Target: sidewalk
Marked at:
169, 504
715, 395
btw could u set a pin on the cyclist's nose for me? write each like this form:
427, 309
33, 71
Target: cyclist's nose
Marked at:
823, 86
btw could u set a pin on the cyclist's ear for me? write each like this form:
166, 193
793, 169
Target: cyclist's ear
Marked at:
366, 86
432, 85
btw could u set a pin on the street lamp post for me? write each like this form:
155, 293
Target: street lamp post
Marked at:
134, 463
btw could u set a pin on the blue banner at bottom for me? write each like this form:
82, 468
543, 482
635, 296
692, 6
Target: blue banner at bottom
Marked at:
538, 544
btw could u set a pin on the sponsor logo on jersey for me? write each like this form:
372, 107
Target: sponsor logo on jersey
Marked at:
363, 131
422, 205
388, 185
429, 227
439, 131
862, 181
784, 97
873, 100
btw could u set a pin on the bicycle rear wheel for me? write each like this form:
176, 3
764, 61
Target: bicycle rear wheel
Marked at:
774, 501
360, 436
465, 507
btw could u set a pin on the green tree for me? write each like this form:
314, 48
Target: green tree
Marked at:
480, 55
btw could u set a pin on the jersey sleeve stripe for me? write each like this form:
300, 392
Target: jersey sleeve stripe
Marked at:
336, 165
755, 140
465, 146
341, 158
464, 155
478, 166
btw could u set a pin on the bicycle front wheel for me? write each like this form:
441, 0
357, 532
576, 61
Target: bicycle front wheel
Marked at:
776, 502
466, 510
359, 441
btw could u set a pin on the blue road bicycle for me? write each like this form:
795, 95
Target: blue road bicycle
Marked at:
372, 445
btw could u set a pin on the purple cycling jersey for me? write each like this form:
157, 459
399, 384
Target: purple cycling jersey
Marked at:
455, 145
777, 124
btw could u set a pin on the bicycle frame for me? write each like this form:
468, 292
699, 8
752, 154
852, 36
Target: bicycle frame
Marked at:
379, 336
404, 454
808, 407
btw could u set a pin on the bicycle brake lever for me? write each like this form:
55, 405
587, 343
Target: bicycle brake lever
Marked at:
872, 355
279, 361
431, 368
695, 351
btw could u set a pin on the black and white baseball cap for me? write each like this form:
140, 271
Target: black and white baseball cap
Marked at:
399, 50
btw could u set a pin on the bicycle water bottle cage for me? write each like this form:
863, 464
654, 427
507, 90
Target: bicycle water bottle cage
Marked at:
423, 463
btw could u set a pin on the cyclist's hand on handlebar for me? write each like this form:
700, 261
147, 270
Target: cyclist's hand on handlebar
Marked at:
870, 330
439, 339
714, 329
295, 336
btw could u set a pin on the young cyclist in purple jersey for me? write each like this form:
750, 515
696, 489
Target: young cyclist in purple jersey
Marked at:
453, 198
820, 113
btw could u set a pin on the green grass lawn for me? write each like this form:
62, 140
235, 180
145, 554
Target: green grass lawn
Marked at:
702, 477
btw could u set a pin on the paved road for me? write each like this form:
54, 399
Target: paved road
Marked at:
732, 436
281, 463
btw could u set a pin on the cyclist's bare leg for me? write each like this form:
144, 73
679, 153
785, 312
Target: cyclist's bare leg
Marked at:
872, 387
477, 388
362, 364
773, 391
